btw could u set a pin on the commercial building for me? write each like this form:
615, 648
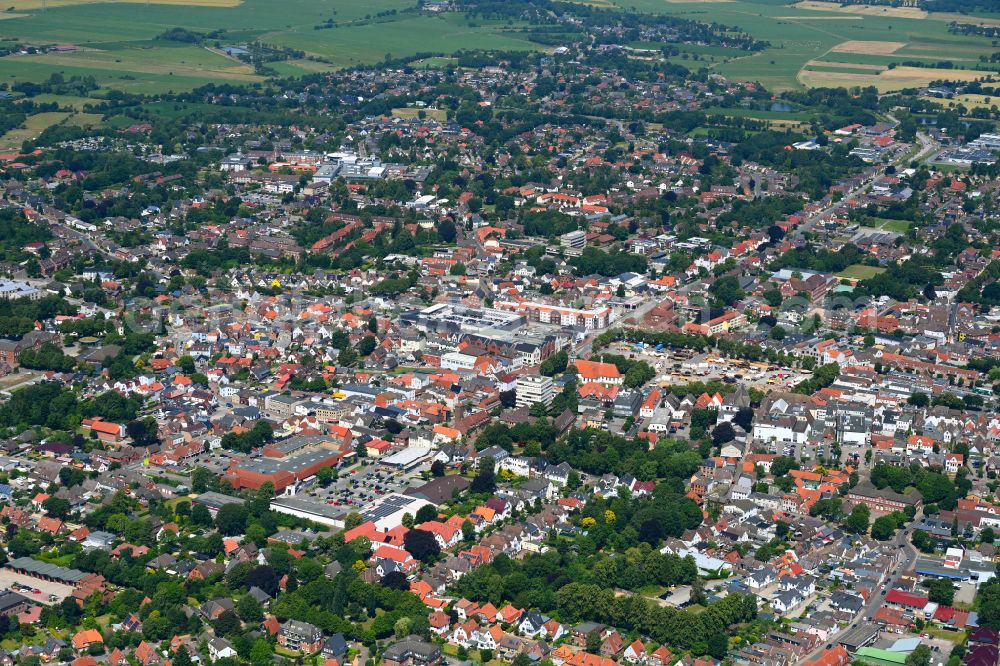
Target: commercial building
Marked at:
284, 472
533, 388
214, 501
573, 242
408, 458
454, 318
318, 512
389, 512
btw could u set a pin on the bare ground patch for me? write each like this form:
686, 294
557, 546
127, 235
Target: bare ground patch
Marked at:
868, 10
867, 47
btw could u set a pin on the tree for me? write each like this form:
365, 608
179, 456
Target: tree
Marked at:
726, 291
347, 357
883, 528
425, 513
723, 433
485, 479
57, 507
249, 610
261, 654
554, 364
231, 519
940, 591
186, 364
918, 399
422, 545
227, 623
858, 521
923, 541
921, 656
777, 333
200, 515
437, 468
181, 657
367, 345
718, 645
325, 476
200, 479
265, 577
698, 595
395, 580
447, 231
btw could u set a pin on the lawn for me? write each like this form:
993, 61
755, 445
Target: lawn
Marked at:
860, 272
899, 226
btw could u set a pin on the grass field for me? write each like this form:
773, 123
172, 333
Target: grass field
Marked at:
409, 113
118, 44
25, 5
804, 32
899, 226
859, 272
33, 126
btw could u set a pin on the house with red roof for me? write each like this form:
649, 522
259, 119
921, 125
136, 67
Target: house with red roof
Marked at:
108, 432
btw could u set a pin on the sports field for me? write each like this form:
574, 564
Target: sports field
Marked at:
860, 272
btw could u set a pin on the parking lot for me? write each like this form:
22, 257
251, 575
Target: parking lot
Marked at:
359, 487
46, 589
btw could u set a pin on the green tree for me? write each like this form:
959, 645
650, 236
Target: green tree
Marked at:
231, 519
858, 521
921, 656
883, 528
940, 591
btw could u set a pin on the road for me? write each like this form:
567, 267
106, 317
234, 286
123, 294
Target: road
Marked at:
927, 146
902, 542
584, 348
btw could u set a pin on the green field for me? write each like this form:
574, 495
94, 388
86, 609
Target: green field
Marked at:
32, 127
118, 46
799, 35
810, 43
860, 272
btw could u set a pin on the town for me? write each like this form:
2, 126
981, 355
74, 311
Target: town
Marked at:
564, 357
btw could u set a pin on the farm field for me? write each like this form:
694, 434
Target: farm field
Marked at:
812, 42
33, 126
116, 41
812, 31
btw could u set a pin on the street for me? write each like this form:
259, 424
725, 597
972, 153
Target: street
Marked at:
902, 542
